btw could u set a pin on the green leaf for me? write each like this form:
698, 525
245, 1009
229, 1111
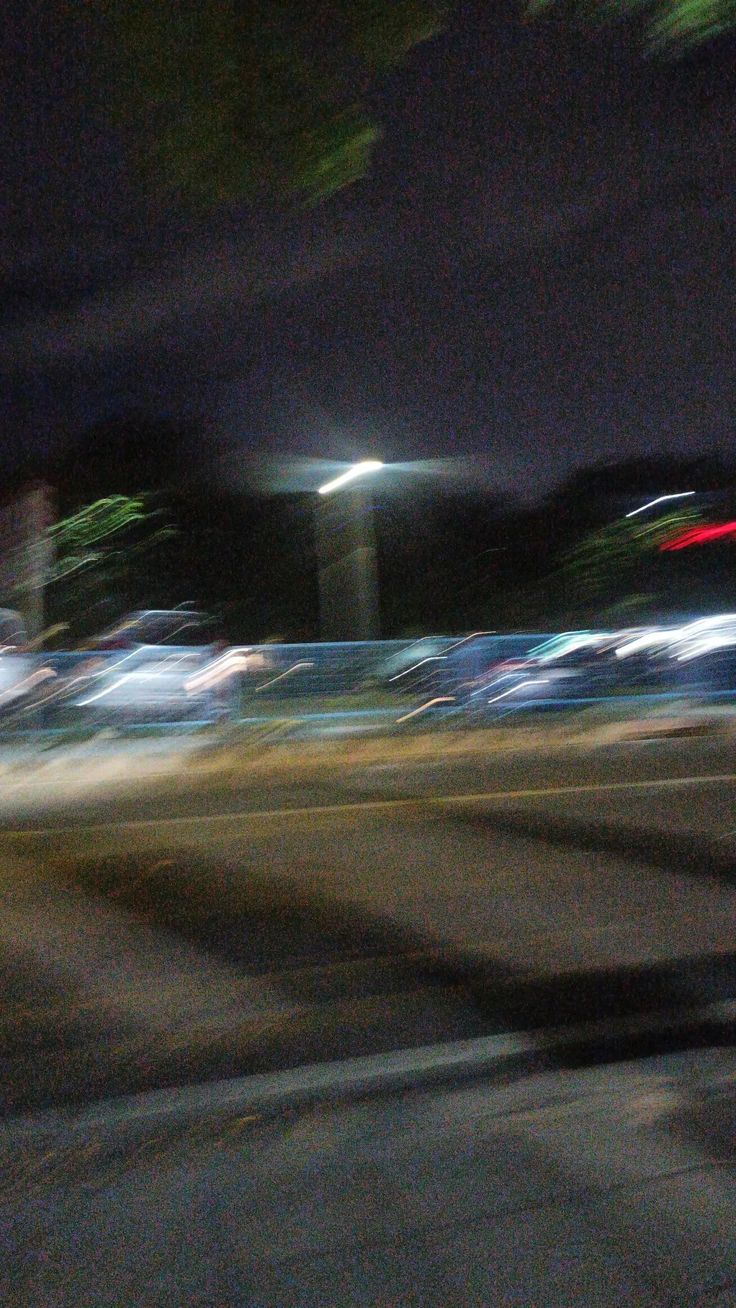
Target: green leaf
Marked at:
225, 99
672, 25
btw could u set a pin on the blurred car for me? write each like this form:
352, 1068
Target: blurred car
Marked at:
696, 657
22, 673
180, 626
558, 674
154, 665
702, 655
414, 668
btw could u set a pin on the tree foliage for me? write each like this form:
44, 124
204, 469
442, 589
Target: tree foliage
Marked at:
103, 557
242, 98
672, 25
616, 560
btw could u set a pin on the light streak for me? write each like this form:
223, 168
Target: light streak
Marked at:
280, 677
474, 635
232, 662
439, 699
541, 681
505, 676
649, 638
661, 499
144, 673
33, 679
432, 658
700, 535
106, 690
357, 470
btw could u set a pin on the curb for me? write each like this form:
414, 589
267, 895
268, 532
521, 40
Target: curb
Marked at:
179, 1108
39, 1148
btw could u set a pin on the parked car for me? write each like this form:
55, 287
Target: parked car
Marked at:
22, 674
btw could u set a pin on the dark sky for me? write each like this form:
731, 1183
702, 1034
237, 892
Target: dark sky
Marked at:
539, 272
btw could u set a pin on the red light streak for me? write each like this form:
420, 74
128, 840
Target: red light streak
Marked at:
701, 535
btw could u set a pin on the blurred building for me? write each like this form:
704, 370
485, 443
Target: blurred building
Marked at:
26, 552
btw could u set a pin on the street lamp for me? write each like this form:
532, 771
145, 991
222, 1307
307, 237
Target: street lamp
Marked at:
357, 470
346, 556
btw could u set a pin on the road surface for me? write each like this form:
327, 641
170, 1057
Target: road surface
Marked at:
611, 1187
212, 928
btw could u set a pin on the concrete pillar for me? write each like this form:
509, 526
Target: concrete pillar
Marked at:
346, 557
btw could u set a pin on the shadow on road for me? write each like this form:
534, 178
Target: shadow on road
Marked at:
348, 983
669, 851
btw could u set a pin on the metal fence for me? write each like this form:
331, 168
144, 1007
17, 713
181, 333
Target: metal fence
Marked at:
153, 685
315, 687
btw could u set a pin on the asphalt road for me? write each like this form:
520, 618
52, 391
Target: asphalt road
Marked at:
212, 928
578, 779
609, 1187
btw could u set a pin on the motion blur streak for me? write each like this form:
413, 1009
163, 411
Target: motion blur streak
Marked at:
474, 635
358, 470
294, 668
699, 637
219, 670
522, 684
661, 499
433, 658
650, 639
27, 683
135, 676
566, 643
439, 699
700, 536
106, 690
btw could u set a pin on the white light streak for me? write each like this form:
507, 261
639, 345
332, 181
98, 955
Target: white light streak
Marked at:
357, 470
105, 691
474, 635
432, 658
661, 499
294, 668
542, 681
33, 679
227, 666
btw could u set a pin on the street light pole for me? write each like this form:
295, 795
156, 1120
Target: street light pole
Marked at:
346, 556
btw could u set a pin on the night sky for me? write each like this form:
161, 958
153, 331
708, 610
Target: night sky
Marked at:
538, 273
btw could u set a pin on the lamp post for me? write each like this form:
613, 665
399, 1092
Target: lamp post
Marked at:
346, 555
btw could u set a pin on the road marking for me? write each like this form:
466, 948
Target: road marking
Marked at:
376, 805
